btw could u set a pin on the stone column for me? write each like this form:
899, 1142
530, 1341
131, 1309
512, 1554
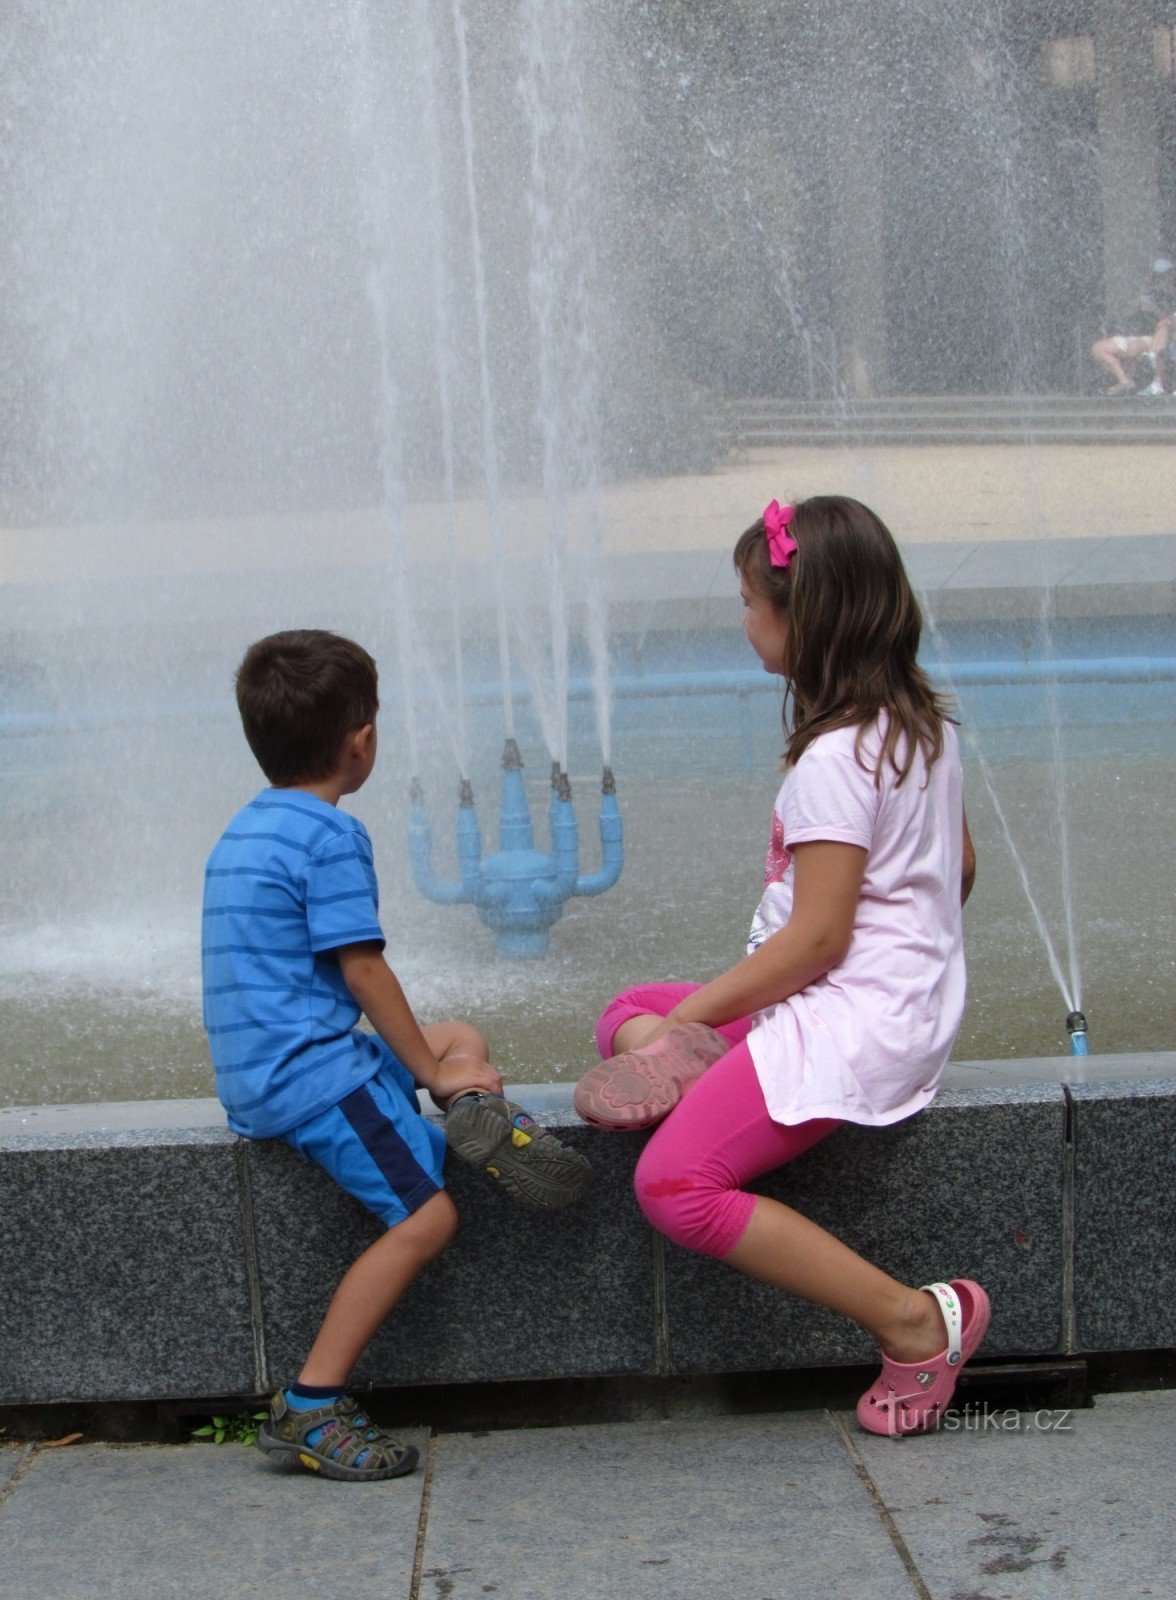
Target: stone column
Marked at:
857, 255
1128, 146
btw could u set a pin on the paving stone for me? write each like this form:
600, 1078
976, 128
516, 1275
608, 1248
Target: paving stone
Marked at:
11, 1458
972, 1188
202, 1522
727, 1507
1124, 1231
1079, 1508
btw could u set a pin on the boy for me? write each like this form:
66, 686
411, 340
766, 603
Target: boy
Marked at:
292, 953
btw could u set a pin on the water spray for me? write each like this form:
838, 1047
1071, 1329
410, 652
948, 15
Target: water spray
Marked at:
1076, 1028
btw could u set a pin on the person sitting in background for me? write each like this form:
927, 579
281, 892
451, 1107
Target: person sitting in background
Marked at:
1150, 324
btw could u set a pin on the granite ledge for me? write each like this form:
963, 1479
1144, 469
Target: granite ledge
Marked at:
99, 1202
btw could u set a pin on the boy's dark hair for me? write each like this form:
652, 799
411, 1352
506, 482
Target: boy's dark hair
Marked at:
300, 694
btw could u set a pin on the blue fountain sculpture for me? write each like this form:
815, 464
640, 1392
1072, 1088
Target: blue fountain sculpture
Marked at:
519, 891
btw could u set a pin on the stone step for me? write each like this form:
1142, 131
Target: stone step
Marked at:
1014, 404
763, 437
952, 419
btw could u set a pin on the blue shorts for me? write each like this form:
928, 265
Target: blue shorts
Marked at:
377, 1145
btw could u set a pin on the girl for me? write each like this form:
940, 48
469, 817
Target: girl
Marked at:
848, 1001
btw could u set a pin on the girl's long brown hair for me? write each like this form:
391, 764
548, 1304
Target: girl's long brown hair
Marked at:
853, 632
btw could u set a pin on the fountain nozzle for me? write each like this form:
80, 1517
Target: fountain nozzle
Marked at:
1076, 1028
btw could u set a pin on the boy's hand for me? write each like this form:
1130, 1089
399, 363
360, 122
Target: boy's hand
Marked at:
377, 991
458, 1073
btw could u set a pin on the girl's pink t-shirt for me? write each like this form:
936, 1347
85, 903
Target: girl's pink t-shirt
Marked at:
868, 1041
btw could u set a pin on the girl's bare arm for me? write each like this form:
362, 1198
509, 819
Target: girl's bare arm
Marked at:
815, 938
969, 873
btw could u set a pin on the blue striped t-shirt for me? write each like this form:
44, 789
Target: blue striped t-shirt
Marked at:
290, 882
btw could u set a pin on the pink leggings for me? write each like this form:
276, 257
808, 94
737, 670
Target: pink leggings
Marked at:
690, 1177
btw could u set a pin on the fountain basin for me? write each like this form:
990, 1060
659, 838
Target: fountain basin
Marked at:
99, 960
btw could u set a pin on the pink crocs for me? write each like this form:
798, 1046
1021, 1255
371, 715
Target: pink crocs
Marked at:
912, 1398
640, 1088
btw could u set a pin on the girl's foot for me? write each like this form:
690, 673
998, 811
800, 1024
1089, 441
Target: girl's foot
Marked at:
911, 1397
641, 1087
919, 1334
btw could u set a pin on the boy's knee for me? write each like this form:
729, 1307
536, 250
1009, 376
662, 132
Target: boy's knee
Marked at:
447, 1223
469, 1041
432, 1228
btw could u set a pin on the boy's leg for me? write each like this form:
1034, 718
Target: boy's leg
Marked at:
500, 1138
379, 1149
449, 1039
372, 1286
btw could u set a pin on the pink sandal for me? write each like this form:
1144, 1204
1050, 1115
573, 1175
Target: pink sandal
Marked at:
911, 1398
641, 1087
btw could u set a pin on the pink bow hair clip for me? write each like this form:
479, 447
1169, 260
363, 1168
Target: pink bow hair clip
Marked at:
781, 545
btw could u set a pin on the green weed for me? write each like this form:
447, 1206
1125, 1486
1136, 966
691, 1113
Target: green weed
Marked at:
240, 1428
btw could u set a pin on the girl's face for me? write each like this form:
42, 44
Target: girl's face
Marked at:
766, 629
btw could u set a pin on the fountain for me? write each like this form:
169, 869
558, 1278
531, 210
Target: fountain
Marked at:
478, 333
520, 891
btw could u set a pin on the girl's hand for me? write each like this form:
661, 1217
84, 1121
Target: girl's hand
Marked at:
667, 1025
458, 1073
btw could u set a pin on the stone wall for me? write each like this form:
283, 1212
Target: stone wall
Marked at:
147, 1253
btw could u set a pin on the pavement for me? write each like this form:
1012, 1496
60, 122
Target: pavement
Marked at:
1006, 1505
972, 493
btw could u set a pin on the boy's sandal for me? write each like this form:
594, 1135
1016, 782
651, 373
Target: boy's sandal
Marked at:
529, 1162
350, 1446
641, 1087
912, 1397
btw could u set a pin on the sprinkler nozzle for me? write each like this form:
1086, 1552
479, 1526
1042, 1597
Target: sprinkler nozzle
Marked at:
608, 784
555, 774
512, 757
563, 787
1076, 1028
465, 794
